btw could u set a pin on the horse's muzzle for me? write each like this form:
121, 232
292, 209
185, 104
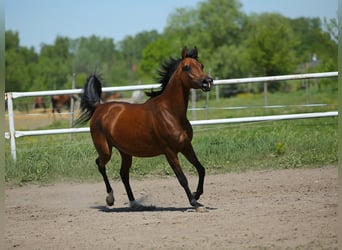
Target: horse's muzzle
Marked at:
207, 83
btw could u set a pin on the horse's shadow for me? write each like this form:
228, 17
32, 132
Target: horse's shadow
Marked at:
107, 209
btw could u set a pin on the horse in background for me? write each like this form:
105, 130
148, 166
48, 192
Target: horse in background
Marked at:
158, 126
39, 102
61, 101
137, 96
110, 96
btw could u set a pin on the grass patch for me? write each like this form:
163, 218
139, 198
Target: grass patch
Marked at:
220, 148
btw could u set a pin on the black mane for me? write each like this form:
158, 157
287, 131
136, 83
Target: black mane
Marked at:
167, 69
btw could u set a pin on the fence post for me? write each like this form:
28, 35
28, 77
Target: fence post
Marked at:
307, 91
72, 104
193, 103
206, 105
11, 125
265, 94
217, 91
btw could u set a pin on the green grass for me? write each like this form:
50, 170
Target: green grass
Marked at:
220, 148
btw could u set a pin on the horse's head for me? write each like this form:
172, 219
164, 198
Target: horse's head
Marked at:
186, 69
192, 71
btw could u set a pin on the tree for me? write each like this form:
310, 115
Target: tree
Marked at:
153, 55
94, 54
217, 28
131, 50
331, 26
313, 40
318, 48
229, 62
11, 40
221, 23
19, 63
182, 28
270, 46
53, 70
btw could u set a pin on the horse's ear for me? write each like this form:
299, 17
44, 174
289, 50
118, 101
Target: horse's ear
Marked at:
184, 52
195, 52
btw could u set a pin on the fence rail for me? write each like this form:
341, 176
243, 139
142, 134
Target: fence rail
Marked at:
276, 78
12, 134
194, 123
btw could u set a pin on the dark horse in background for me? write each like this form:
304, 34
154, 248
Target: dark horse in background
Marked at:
110, 96
61, 101
39, 102
158, 126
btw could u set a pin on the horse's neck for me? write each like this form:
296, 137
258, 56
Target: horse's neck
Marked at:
177, 98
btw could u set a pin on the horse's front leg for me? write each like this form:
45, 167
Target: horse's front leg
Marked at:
190, 155
174, 163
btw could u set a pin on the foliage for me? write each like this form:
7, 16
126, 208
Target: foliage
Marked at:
231, 44
19, 70
221, 23
315, 41
153, 54
271, 45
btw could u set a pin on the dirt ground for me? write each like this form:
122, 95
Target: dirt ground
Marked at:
279, 209
35, 120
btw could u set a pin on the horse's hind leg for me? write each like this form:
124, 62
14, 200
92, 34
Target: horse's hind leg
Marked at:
105, 154
126, 163
102, 170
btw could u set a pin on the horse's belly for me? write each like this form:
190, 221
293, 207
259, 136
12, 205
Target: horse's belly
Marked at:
149, 145
136, 142
137, 146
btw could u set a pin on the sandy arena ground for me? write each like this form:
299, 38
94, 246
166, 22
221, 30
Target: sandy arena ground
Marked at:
280, 209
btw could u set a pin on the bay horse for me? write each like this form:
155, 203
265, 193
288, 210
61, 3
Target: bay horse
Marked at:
60, 101
158, 126
39, 102
110, 96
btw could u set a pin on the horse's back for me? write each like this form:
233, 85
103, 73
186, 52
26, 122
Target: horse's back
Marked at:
108, 112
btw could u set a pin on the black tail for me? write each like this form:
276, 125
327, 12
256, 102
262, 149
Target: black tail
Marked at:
90, 98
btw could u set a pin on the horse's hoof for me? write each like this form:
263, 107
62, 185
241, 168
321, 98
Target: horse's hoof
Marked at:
136, 205
201, 209
110, 199
195, 203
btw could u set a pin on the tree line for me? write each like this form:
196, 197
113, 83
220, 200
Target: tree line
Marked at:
231, 44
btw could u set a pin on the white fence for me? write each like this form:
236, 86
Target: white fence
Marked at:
12, 134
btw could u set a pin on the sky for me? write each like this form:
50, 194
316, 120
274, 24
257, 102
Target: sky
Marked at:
41, 21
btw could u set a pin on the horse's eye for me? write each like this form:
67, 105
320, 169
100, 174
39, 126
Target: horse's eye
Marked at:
186, 68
